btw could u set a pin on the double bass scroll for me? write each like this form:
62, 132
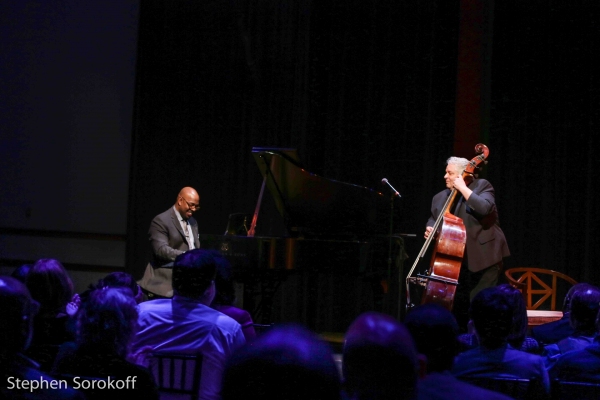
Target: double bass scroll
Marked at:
450, 238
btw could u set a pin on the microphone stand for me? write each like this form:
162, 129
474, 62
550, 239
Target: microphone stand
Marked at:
395, 193
389, 260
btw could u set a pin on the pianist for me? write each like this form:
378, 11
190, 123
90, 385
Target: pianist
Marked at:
171, 233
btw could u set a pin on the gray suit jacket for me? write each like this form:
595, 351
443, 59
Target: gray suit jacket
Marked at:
486, 244
167, 241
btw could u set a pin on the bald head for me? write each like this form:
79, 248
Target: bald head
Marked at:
380, 359
187, 202
188, 192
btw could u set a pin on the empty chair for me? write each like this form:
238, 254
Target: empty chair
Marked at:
539, 285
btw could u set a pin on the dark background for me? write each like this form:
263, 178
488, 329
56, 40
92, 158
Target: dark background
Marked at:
363, 89
366, 90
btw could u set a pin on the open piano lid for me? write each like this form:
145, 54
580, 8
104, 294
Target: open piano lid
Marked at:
313, 206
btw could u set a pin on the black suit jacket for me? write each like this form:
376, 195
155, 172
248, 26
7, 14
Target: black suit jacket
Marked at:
167, 241
486, 244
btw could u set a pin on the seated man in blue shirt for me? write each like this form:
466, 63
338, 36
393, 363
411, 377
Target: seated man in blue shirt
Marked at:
187, 324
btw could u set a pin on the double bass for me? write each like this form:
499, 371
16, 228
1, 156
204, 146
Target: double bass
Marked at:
450, 237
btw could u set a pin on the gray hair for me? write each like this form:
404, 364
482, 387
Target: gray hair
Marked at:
460, 162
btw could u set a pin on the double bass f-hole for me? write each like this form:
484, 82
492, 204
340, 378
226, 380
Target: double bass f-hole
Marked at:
450, 238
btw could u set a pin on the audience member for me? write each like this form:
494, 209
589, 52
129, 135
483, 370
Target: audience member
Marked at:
492, 317
16, 319
582, 317
287, 362
434, 330
117, 279
379, 359
580, 365
113, 280
124, 280
50, 285
555, 331
106, 325
225, 297
518, 338
187, 324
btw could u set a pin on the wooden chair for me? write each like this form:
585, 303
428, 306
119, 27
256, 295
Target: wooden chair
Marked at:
537, 285
569, 390
177, 375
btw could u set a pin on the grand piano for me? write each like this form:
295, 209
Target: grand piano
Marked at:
335, 259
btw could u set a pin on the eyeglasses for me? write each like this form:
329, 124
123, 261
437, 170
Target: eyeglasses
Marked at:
191, 205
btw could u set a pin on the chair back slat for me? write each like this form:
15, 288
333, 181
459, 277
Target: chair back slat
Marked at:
177, 373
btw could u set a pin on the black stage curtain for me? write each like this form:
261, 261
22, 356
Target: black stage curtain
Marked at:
366, 90
544, 121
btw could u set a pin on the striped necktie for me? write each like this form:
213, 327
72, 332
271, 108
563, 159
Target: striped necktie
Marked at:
186, 231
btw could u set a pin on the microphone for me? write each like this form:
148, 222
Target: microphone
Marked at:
384, 180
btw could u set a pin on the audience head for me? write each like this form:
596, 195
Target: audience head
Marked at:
584, 310
434, 330
107, 321
121, 280
18, 310
20, 273
519, 320
379, 359
50, 285
286, 362
223, 281
492, 316
194, 274
574, 289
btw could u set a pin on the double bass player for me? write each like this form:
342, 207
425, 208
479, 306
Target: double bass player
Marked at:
485, 245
